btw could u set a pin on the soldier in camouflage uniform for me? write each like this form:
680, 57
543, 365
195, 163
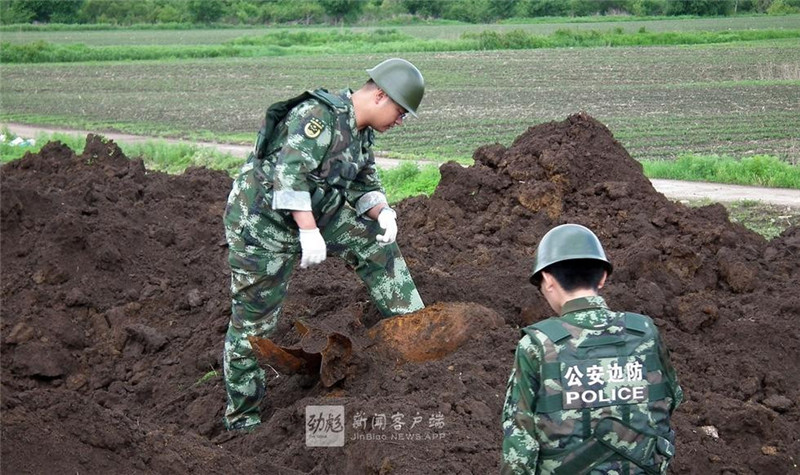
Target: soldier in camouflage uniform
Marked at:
591, 391
310, 187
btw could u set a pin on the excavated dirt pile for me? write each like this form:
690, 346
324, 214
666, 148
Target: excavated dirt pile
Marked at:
115, 303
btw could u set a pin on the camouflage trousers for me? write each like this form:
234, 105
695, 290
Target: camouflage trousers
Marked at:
262, 255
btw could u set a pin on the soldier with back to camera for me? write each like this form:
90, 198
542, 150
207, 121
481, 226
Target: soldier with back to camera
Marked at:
591, 390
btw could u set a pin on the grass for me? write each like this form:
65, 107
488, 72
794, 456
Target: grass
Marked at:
213, 374
61, 27
305, 42
401, 182
759, 170
660, 102
566, 38
10, 152
765, 219
410, 179
157, 155
103, 35
736, 99
43, 52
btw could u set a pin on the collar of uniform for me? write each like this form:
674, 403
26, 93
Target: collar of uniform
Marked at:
367, 135
347, 95
571, 309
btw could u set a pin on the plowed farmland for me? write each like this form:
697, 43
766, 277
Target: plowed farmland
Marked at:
115, 302
661, 102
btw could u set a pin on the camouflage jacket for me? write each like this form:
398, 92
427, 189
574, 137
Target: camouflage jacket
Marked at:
535, 437
317, 159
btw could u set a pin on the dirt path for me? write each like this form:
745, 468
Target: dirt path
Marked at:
673, 189
29, 131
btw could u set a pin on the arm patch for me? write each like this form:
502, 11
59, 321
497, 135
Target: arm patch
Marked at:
313, 128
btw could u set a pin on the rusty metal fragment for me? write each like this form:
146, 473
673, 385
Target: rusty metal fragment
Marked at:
433, 332
429, 334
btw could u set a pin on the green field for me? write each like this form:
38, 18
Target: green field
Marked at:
737, 99
542, 26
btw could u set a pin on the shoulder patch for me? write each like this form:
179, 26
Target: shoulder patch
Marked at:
313, 128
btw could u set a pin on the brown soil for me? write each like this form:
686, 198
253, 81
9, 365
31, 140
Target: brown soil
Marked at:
115, 303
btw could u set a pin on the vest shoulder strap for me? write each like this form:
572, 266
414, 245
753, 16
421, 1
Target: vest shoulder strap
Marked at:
331, 100
636, 323
553, 329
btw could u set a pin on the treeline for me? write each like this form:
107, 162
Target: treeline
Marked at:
258, 12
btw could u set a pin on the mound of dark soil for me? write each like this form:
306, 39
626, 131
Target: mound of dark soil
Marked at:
115, 302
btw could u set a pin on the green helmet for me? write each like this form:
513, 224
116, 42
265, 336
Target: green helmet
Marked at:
402, 81
564, 243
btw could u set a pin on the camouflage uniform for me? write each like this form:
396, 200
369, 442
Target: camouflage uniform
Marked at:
595, 398
316, 160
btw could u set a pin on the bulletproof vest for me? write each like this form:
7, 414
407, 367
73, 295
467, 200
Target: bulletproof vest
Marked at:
603, 396
339, 169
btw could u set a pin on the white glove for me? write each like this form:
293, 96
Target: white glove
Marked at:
387, 219
313, 246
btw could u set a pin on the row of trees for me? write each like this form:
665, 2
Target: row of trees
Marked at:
126, 12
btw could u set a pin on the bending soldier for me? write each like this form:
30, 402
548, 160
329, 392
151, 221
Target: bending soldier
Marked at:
311, 187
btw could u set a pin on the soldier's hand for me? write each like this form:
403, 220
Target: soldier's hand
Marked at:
313, 247
387, 219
